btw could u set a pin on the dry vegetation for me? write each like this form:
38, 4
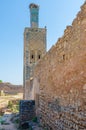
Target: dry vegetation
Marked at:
9, 93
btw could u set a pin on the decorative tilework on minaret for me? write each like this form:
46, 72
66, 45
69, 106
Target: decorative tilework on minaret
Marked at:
34, 15
34, 48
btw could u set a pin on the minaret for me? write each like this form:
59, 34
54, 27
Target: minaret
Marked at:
34, 48
34, 15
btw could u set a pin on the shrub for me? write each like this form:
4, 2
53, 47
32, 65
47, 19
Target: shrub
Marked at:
0, 81
34, 119
10, 104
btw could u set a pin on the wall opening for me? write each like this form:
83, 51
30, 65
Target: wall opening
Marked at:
32, 57
64, 57
39, 55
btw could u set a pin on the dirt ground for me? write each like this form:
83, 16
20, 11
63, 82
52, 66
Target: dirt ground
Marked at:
8, 115
4, 99
7, 125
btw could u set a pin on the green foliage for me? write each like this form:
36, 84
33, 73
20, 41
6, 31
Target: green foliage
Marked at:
1, 114
34, 119
2, 122
0, 81
30, 128
13, 106
10, 104
17, 121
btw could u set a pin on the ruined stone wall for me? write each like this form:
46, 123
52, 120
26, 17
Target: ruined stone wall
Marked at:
60, 80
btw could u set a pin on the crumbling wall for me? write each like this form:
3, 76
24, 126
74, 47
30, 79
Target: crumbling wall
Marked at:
26, 111
61, 80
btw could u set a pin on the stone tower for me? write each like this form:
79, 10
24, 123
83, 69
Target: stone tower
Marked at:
34, 48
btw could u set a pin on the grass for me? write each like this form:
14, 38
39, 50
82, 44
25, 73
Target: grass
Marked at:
5, 99
13, 106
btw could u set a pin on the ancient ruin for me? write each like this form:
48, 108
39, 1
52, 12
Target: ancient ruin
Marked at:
34, 48
59, 79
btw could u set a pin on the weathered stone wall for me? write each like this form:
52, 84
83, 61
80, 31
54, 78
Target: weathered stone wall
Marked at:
60, 80
26, 111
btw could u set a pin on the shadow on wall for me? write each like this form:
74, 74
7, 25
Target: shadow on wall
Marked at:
35, 92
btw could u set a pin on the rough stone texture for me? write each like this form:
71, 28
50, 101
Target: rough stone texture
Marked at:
34, 49
26, 110
60, 80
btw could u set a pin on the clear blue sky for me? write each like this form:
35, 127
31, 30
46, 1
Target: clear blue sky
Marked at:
15, 16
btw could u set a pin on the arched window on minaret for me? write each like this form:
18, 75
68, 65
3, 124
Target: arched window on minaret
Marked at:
32, 56
39, 55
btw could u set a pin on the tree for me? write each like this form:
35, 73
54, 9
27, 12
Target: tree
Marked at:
0, 81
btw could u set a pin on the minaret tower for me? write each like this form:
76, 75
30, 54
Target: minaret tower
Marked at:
34, 48
34, 13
